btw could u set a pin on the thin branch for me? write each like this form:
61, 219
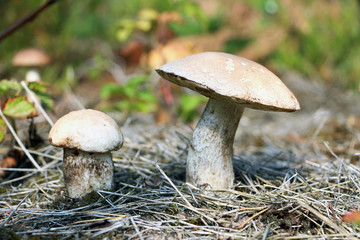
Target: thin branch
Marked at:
25, 20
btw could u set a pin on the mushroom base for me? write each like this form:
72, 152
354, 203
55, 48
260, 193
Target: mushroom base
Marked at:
85, 172
209, 160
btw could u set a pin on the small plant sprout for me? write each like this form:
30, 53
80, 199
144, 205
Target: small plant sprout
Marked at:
232, 83
87, 137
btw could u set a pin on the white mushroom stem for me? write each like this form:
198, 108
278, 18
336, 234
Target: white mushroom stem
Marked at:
210, 156
85, 172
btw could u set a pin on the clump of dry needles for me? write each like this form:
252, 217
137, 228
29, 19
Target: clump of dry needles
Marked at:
278, 194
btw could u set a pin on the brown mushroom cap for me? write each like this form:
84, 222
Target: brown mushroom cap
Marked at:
227, 77
31, 57
86, 130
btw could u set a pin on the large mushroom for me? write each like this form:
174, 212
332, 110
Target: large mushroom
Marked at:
87, 137
232, 83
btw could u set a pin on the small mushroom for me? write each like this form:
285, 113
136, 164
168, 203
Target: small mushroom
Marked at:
232, 83
87, 137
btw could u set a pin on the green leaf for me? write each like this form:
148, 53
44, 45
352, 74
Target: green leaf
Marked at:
144, 107
123, 106
40, 90
127, 26
19, 107
190, 27
37, 87
194, 21
147, 96
189, 105
136, 82
135, 95
130, 91
2, 130
191, 102
110, 89
9, 88
133, 87
46, 100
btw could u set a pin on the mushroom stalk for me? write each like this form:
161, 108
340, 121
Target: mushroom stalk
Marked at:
84, 172
210, 154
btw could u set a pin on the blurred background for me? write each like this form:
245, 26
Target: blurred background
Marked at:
104, 52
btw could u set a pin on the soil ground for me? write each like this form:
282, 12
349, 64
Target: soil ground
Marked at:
296, 174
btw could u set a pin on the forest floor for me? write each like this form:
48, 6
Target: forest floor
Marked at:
296, 174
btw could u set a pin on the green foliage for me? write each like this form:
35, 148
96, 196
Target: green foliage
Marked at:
135, 95
9, 88
18, 107
143, 22
70, 31
215, 22
12, 89
195, 21
92, 29
41, 91
189, 106
84, 30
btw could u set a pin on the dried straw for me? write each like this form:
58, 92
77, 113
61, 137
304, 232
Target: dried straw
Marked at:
278, 194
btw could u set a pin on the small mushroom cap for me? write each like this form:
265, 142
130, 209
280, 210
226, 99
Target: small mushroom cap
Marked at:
31, 57
86, 130
231, 78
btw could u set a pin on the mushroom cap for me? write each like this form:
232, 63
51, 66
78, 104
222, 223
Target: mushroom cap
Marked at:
31, 57
86, 130
231, 78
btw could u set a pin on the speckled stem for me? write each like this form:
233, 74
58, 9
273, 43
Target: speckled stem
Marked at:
85, 172
210, 156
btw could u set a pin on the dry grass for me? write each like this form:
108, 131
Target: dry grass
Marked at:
278, 194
